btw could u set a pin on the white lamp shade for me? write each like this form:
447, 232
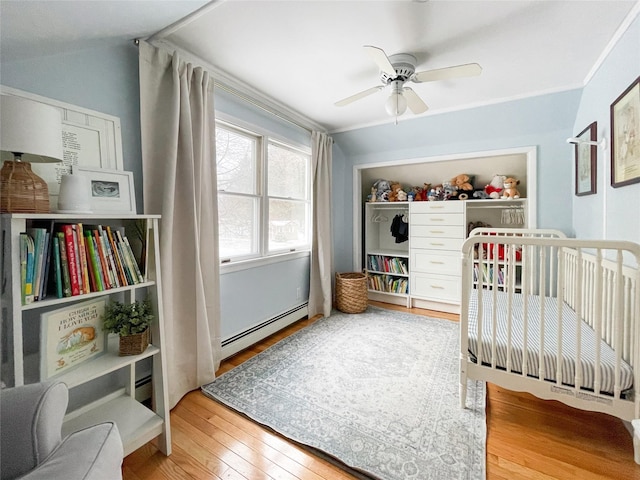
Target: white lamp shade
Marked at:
30, 128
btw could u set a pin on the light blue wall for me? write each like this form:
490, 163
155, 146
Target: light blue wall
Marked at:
543, 121
611, 213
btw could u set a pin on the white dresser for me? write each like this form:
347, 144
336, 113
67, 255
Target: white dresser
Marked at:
437, 230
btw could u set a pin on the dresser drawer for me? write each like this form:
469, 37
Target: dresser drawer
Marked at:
435, 287
437, 207
454, 244
439, 262
437, 231
436, 219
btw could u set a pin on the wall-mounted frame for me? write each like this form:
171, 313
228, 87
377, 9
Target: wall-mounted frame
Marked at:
90, 139
586, 161
625, 137
111, 191
70, 336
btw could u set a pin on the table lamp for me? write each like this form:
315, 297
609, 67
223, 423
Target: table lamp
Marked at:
30, 131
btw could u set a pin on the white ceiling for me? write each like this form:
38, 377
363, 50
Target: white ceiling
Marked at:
308, 54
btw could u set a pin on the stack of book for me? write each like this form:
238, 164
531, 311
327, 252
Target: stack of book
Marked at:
75, 258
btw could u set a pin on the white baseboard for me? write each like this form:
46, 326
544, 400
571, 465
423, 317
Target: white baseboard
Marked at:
261, 333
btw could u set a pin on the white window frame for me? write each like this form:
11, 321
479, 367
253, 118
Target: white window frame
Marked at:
264, 138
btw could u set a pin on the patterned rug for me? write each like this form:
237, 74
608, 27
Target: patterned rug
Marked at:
377, 391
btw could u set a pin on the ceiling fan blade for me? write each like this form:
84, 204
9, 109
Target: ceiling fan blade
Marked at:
466, 70
358, 96
414, 102
381, 59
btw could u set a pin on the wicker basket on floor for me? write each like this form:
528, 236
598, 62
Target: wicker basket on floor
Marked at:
351, 292
135, 344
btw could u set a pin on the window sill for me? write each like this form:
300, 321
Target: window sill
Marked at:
239, 265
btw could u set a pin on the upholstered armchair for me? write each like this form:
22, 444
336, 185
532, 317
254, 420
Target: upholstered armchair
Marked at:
31, 443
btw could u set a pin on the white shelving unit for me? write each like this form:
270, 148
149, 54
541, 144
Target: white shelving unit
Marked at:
380, 244
137, 423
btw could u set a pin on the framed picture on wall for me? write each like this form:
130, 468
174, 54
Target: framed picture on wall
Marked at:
586, 161
625, 137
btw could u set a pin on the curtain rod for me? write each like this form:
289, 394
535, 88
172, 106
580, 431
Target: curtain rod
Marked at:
250, 100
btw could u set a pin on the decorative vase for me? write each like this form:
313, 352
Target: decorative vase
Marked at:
134, 344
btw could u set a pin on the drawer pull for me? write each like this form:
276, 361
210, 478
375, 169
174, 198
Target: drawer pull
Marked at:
436, 262
436, 231
437, 244
437, 286
437, 219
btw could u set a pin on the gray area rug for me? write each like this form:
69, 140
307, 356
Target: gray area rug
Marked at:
378, 391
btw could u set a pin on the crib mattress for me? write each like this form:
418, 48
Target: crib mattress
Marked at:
569, 343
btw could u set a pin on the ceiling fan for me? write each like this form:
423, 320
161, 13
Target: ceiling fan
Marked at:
398, 69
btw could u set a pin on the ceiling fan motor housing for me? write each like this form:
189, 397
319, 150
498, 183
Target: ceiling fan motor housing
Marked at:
403, 64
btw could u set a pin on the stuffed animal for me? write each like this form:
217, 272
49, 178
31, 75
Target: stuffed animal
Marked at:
494, 188
510, 190
382, 188
419, 194
462, 182
402, 196
372, 196
449, 191
393, 193
480, 194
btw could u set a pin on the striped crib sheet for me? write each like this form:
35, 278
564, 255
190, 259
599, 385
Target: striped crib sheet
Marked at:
569, 343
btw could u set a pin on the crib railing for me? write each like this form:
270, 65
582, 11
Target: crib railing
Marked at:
599, 280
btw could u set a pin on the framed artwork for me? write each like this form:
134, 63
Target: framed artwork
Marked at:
70, 336
625, 137
111, 191
89, 139
586, 161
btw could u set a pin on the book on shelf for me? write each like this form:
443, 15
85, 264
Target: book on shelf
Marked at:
57, 266
27, 266
70, 244
64, 265
84, 267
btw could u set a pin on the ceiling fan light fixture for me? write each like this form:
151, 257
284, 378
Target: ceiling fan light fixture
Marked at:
396, 104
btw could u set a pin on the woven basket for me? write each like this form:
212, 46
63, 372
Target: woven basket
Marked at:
135, 344
22, 190
351, 292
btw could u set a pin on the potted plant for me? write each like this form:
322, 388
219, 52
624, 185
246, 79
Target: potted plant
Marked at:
131, 322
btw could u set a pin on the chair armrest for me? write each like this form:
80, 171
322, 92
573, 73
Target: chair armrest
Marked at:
32, 418
94, 453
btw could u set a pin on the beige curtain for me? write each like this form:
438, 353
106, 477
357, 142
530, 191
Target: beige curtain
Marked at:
320, 298
179, 170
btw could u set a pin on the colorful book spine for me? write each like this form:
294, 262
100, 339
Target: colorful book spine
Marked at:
95, 263
113, 273
64, 264
23, 268
38, 235
104, 270
86, 286
57, 267
30, 270
76, 249
117, 257
45, 269
70, 245
131, 273
133, 260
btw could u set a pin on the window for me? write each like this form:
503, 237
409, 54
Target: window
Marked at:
264, 205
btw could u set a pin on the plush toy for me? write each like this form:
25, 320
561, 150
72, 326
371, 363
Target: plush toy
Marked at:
419, 194
495, 186
393, 193
480, 194
462, 182
411, 196
402, 196
510, 190
372, 197
382, 188
449, 191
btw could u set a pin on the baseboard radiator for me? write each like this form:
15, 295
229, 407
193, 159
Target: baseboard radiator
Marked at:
242, 340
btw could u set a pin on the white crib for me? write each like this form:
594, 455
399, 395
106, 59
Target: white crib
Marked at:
553, 316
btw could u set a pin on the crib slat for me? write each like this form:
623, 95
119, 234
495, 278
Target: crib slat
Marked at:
526, 277
494, 309
597, 321
480, 288
542, 294
559, 361
617, 327
510, 258
579, 305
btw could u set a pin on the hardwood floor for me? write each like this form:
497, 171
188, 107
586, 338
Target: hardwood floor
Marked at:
527, 438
